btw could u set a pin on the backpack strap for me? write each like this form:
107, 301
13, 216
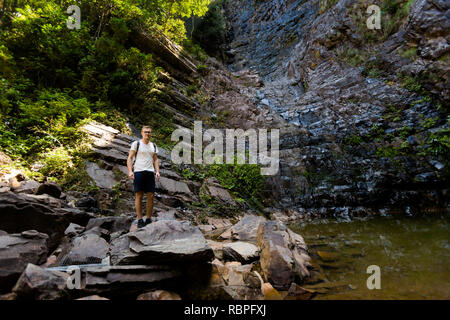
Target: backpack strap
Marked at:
135, 156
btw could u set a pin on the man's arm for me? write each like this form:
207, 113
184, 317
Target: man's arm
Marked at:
130, 164
156, 164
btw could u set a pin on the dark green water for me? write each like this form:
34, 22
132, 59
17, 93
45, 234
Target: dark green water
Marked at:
413, 254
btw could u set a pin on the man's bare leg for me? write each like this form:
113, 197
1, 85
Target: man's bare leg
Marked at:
150, 201
138, 204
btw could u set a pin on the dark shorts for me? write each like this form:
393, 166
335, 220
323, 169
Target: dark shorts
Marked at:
144, 181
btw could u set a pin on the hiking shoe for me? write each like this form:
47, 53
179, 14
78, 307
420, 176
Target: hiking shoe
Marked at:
141, 223
148, 221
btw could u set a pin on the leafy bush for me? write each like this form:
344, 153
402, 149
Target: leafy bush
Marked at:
56, 163
243, 180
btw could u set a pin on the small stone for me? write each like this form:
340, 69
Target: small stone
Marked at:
50, 188
159, 295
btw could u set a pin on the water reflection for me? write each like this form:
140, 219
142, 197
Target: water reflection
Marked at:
412, 252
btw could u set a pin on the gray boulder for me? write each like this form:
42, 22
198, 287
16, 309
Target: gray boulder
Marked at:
162, 241
247, 228
20, 212
37, 283
86, 249
16, 251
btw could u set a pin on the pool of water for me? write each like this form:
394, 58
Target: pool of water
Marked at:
413, 254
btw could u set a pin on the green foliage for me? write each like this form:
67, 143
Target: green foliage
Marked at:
412, 83
195, 175
53, 79
194, 50
351, 56
212, 29
410, 54
439, 144
243, 180
353, 140
56, 163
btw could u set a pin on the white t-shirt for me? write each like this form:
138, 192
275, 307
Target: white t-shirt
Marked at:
144, 156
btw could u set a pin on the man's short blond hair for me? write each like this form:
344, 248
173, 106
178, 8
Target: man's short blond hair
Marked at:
146, 127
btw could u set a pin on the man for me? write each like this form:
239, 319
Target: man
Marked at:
143, 173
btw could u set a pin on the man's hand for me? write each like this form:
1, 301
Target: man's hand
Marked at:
157, 175
131, 175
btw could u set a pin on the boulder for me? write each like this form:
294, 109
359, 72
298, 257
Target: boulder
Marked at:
243, 252
50, 188
86, 249
247, 228
16, 251
173, 187
36, 283
284, 255
20, 212
162, 241
159, 295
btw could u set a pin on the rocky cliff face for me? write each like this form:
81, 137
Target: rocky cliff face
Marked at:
364, 113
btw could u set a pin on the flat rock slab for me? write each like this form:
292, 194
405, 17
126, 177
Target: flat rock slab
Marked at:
173, 187
120, 281
243, 252
162, 241
172, 240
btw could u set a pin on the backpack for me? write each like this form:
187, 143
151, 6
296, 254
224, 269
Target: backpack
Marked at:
137, 150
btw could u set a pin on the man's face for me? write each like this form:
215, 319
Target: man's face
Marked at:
146, 133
